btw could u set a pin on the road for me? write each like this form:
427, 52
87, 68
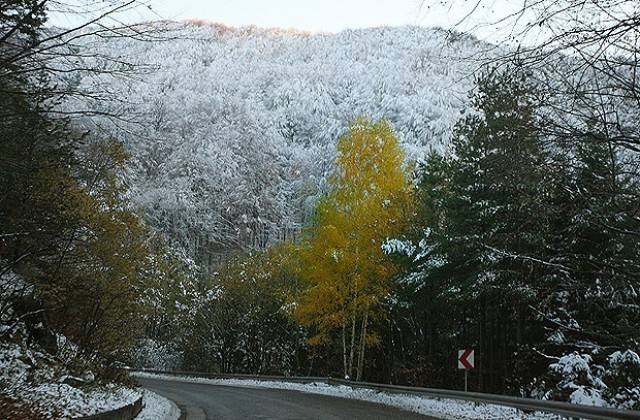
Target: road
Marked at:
204, 401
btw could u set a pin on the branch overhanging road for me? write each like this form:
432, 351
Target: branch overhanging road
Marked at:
206, 401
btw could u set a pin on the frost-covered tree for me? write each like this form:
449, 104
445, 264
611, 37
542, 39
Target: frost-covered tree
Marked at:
528, 240
595, 243
495, 218
233, 136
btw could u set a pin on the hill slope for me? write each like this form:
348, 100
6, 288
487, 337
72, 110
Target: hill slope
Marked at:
232, 131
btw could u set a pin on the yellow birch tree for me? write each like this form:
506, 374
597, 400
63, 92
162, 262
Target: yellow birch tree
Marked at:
348, 274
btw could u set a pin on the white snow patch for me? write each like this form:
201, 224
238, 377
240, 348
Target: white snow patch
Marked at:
587, 396
67, 401
32, 377
397, 246
157, 407
576, 367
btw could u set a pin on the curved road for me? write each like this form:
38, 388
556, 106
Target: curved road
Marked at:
204, 401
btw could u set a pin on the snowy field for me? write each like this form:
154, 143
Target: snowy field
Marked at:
441, 408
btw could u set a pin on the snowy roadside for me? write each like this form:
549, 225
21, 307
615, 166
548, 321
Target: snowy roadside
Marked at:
157, 407
38, 380
64, 401
34, 384
442, 408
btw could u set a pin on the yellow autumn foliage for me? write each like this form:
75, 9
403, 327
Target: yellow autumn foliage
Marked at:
348, 274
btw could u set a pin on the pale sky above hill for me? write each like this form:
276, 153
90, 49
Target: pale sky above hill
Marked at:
311, 15
328, 15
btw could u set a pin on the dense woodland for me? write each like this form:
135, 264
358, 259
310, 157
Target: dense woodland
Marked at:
362, 205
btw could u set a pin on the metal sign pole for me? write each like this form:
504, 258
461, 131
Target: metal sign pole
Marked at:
466, 361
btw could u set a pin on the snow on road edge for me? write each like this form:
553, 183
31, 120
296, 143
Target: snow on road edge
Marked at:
157, 407
446, 409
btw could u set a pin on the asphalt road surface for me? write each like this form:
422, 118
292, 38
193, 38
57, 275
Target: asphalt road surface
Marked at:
204, 401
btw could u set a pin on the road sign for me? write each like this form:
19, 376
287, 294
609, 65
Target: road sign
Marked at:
466, 359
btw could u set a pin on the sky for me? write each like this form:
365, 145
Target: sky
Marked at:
310, 15
329, 15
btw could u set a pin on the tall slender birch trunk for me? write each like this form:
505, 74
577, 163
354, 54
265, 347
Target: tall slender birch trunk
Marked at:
344, 351
363, 336
353, 345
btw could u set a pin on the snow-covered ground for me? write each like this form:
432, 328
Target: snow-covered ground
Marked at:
33, 378
65, 401
38, 380
30, 377
441, 408
157, 407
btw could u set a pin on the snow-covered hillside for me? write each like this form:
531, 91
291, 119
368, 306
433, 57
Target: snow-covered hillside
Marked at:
233, 131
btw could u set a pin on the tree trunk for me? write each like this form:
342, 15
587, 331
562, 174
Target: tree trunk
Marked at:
430, 326
352, 346
481, 352
363, 336
344, 351
519, 326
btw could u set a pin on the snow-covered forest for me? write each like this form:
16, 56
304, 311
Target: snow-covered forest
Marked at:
362, 204
233, 131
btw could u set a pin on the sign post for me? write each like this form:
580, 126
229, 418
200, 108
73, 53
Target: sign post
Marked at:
466, 361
